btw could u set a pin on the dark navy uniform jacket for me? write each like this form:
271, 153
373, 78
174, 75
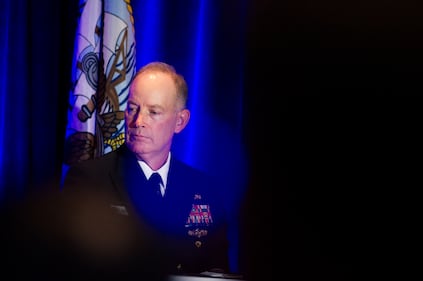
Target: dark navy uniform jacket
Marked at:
183, 232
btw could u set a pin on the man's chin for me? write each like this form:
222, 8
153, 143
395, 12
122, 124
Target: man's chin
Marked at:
136, 147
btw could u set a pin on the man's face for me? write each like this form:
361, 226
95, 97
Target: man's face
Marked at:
152, 116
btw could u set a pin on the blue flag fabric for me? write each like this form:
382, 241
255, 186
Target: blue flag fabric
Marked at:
103, 67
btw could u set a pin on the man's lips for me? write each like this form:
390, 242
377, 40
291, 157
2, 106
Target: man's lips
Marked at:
137, 136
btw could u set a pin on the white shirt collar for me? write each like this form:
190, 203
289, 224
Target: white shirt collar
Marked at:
163, 170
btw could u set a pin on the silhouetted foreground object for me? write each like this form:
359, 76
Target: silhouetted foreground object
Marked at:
75, 238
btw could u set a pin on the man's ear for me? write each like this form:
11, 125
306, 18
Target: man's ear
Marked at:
182, 120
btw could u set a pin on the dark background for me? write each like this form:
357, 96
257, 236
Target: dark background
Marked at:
335, 110
332, 128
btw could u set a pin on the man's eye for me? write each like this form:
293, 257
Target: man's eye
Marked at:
132, 109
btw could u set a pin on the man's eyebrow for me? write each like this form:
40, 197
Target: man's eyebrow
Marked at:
155, 106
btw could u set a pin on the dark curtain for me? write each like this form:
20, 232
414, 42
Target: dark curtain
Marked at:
36, 50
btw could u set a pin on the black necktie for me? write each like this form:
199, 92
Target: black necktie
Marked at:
155, 180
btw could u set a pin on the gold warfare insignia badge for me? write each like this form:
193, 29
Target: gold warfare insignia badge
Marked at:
197, 232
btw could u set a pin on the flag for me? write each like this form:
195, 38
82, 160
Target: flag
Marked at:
103, 67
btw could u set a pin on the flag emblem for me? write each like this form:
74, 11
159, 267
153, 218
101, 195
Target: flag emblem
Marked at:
103, 67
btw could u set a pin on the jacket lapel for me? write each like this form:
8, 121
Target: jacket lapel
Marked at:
125, 176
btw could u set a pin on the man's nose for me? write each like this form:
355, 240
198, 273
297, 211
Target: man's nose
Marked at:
139, 120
